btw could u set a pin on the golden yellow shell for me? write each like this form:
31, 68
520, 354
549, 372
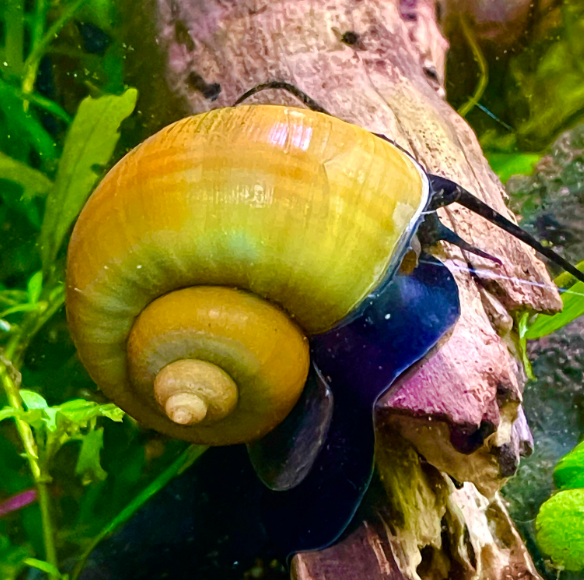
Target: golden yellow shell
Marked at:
294, 206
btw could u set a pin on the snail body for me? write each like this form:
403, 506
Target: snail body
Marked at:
290, 215
234, 278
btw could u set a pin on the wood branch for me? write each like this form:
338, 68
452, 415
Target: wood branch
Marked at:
464, 535
380, 64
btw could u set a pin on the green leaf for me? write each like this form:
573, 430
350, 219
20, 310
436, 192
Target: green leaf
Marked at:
26, 127
49, 420
80, 411
560, 529
565, 279
62, 421
112, 412
90, 143
33, 182
12, 558
544, 86
569, 472
33, 400
88, 464
99, 12
35, 287
44, 566
19, 308
12, 297
507, 164
573, 300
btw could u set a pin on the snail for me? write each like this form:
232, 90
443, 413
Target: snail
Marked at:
235, 279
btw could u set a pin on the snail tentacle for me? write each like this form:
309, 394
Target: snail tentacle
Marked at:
290, 88
446, 192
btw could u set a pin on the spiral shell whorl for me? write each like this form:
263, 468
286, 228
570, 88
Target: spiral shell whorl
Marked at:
213, 338
193, 392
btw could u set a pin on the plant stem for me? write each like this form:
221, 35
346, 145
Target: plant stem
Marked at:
30, 448
38, 24
18, 344
24, 430
38, 100
31, 63
27, 124
48, 535
483, 68
183, 462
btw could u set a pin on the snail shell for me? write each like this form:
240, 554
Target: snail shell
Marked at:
226, 239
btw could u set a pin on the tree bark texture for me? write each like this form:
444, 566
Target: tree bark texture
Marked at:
380, 64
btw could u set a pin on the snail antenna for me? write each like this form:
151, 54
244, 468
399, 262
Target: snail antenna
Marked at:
445, 192
292, 89
432, 230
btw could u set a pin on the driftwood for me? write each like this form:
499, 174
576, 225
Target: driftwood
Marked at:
457, 417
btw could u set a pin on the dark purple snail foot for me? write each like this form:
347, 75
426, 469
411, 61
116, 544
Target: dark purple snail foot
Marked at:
283, 458
395, 327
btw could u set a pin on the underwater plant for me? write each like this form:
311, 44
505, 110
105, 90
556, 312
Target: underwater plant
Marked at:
50, 161
560, 521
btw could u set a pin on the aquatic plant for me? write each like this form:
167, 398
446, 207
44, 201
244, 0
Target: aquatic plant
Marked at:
50, 161
560, 522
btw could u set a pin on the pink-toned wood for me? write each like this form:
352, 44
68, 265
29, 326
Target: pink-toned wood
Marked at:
367, 549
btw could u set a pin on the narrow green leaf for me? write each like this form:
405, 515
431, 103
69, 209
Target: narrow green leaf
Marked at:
573, 300
569, 472
19, 308
27, 128
12, 297
33, 400
44, 566
565, 279
560, 529
38, 100
33, 182
35, 287
185, 460
88, 464
90, 143
99, 12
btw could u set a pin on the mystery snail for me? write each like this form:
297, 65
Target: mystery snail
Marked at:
235, 279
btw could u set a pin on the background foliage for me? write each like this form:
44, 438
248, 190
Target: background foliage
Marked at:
86, 468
